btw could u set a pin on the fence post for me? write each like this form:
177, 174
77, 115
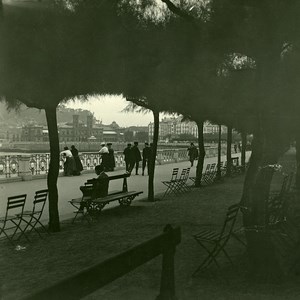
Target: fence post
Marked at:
167, 283
24, 167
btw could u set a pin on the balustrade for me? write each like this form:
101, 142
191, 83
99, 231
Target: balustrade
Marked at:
37, 164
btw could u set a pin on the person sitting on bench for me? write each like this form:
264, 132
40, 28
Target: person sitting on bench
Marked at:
99, 189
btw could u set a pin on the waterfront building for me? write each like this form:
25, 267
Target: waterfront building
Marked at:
174, 127
75, 131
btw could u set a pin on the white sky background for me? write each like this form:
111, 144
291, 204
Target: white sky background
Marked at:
109, 108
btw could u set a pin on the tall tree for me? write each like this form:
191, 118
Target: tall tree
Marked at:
51, 51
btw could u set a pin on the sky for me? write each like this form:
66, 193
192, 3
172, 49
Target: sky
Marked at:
109, 109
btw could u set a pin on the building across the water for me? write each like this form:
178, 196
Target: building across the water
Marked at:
75, 131
174, 127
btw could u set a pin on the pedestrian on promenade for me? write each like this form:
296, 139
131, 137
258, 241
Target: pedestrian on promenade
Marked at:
146, 156
78, 164
69, 162
192, 153
104, 156
111, 157
235, 148
127, 157
136, 158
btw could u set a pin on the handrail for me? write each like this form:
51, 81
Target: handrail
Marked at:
97, 276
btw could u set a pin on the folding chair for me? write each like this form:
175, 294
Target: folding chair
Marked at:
218, 240
277, 203
12, 220
32, 218
82, 207
183, 186
210, 173
223, 168
170, 184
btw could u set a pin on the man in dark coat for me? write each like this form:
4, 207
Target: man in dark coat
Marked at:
136, 158
127, 157
146, 156
111, 158
193, 153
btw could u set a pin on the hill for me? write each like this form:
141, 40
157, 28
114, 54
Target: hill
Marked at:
24, 115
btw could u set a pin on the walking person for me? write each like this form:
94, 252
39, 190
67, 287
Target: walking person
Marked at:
78, 164
136, 158
104, 156
127, 157
192, 153
69, 162
235, 148
146, 157
111, 158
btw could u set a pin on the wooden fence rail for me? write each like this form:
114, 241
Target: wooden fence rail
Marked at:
93, 278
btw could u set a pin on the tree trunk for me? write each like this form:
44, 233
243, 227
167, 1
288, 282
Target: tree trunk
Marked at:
201, 156
298, 161
260, 247
218, 175
228, 153
54, 225
153, 157
243, 154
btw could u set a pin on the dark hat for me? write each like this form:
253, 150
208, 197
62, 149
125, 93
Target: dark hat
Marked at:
109, 144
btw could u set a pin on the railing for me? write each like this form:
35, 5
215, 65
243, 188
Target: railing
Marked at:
32, 165
92, 279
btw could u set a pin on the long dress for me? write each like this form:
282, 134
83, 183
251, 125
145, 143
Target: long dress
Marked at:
111, 160
78, 164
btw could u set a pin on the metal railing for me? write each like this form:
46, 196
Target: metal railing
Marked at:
35, 164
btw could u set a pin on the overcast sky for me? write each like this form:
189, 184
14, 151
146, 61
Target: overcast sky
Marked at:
109, 108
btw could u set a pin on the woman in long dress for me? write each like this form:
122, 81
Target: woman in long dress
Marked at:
78, 164
69, 164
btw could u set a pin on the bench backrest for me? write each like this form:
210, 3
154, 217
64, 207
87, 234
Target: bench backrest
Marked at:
113, 177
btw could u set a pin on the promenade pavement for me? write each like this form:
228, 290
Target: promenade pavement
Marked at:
68, 187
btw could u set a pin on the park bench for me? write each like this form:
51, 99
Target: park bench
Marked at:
94, 205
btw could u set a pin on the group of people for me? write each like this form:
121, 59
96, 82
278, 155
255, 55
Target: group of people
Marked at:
132, 157
72, 162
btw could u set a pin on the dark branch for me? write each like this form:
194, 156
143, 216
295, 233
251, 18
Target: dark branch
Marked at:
139, 102
177, 11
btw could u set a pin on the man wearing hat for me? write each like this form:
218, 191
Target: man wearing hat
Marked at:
104, 156
136, 158
146, 156
127, 157
111, 157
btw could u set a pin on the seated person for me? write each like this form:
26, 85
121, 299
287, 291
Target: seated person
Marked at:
99, 186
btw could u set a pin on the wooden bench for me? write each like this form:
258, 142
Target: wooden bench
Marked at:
93, 206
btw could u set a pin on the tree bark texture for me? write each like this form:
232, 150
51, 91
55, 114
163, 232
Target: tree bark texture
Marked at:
228, 152
261, 249
243, 154
54, 224
153, 157
218, 176
298, 161
199, 168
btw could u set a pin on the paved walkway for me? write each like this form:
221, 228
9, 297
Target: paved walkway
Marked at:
68, 187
